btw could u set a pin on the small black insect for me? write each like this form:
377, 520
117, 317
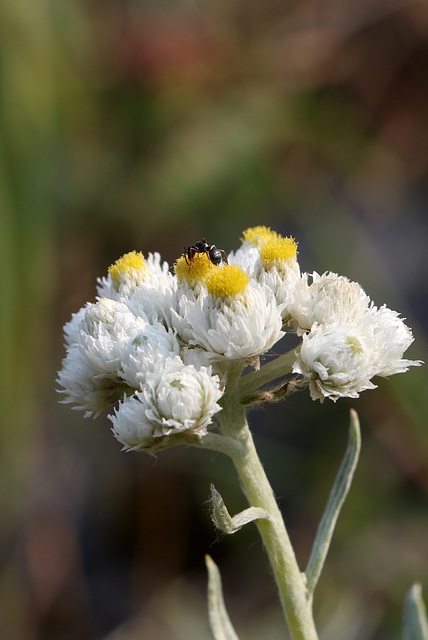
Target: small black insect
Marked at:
214, 254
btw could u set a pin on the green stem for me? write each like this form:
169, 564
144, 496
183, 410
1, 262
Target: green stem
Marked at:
215, 442
289, 579
273, 370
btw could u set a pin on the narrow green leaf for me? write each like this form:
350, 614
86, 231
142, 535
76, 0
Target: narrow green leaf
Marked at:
336, 499
225, 522
219, 620
415, 624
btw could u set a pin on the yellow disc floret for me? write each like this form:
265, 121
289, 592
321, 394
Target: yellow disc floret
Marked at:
194, 269
131, 266
257, 236
277, 252
354, 345
227, 281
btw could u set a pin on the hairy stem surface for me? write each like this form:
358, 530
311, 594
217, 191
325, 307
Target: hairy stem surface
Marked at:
289, 579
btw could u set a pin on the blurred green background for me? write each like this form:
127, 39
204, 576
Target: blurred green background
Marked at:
147, 125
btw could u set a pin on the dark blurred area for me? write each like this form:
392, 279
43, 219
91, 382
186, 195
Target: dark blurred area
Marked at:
147, 125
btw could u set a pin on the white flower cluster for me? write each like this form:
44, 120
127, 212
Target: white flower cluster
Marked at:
158, 346
346, 339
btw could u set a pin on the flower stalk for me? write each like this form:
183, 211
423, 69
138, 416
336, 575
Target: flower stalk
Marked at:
277, 368
290, 581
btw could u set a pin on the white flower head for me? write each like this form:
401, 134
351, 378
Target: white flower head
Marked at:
86, 386
258, 236
90, 374
286, 285
340, 360
130, 425
110, 319
233, 318
144, 351
126, 273
72, 327
280, 254
145, 286
391, 338
336, 360
272, 260
330, 299
153, 297
262, 250
176, 398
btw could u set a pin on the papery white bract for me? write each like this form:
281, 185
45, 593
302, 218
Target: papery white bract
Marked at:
329, 299
176, 398
276, 267
391, 338
97, 335
84, 387
145, 286
246, 257
144, 351
341, 360
287, 287
336, 360
235, 328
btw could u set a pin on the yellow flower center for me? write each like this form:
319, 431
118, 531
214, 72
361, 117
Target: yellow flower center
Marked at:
130, 266
257, 236
227, 281
277, 252
354, 344
194, 270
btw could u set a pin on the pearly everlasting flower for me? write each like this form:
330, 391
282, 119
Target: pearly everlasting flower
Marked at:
253, 240
145, 286
341, 360
133, 270
278, 270
337, 361
159, 345
272, 260
143, 352
85, 386
280, 254
125, 274
110, 321
391, 338
72, 327
330, 299
90, 375
176, 398
258, 236
130, 426
191, 276
232, 318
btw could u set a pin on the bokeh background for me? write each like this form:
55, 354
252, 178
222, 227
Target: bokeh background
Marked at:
147, 125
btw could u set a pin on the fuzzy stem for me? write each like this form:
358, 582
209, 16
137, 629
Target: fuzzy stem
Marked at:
289, 579
215, 442
273, 370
